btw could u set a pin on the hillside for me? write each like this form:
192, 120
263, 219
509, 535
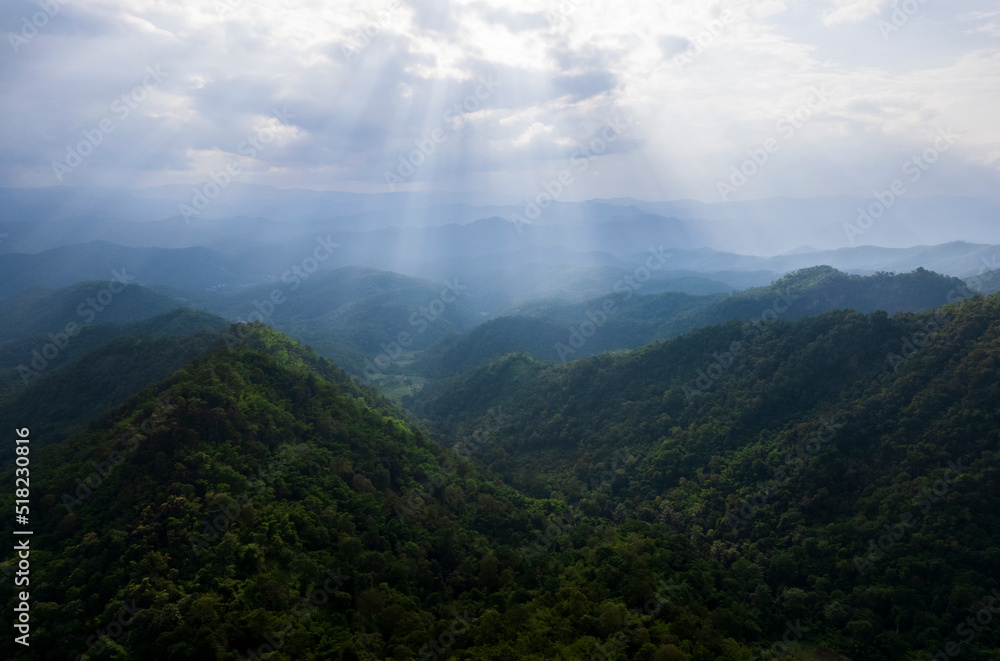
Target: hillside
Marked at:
822, 289
196, 269
40, 311
28, 359
785, 454
355, 315
560, 331
533, 335
252, 504
646, 505
64, 400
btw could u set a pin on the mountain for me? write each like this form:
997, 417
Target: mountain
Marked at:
840, 467
190, 268
559, 331
361, 317
772, 226
24, 360
958, 258
40, 311
152, 217
128, 358
536, 336
699, 498
504, 264
258, 504
816, 290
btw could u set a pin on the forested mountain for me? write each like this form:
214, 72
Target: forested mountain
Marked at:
26, 360
627, 318
355, 315
537, 336
714, 496
42, 310
190, 526
256, 501
841, 467
64, 400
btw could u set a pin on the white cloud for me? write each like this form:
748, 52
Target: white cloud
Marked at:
852, 11
364, 82
989, 22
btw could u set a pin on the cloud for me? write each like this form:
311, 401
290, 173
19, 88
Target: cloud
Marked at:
365, 83
672, 45
852, 11
989, 22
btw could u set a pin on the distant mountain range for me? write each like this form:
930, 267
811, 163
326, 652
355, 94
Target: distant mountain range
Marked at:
474, 253
245, 216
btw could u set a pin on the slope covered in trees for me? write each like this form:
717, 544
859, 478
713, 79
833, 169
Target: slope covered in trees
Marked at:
41, 311
560, 331
839, 467
63, 401
99, 366
360, 307
257, 500
827, 483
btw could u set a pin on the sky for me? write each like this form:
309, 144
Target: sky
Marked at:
730, 100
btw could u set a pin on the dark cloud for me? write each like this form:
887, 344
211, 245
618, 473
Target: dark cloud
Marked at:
585, 85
